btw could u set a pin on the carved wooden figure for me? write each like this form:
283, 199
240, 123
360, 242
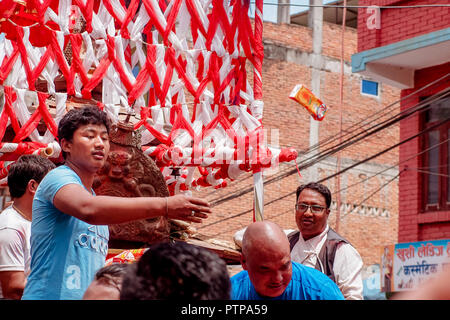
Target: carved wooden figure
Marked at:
128, 172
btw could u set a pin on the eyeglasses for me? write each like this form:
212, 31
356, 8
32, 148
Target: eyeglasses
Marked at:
302, 207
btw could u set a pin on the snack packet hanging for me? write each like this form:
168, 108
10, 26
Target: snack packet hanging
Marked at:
307, 99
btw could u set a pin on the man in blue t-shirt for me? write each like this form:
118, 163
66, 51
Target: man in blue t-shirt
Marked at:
69, 232
269, 273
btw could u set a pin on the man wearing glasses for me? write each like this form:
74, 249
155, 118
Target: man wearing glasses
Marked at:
320, 247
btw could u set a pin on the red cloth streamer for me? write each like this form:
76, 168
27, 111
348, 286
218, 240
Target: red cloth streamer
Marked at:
7, 8
238, 35
8, 112
259, 49
33, 122
8, 63
86, 10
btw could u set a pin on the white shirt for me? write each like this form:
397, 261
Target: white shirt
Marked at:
347, 266
15, 233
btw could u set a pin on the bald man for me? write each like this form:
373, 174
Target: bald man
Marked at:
269, 273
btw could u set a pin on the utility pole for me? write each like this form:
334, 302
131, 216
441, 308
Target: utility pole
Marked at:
315, 22
341, 105
283, 11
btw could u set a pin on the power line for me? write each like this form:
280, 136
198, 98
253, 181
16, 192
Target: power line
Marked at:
430, 172
272, 217
363, 171
329, 140
331, 176
359, 204
372, 194
395, 165
425, 104
422, 106
290, 209
353, 6
332, 150
384, 110
405, 169
286, 172
388, 149
428, 167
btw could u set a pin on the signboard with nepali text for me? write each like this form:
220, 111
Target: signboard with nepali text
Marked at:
415, 262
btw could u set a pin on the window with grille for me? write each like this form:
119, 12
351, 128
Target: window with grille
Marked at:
436, 161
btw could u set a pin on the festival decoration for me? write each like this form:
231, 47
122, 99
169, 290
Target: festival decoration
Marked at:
177, 68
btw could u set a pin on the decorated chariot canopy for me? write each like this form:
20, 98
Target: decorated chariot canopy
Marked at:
186, 72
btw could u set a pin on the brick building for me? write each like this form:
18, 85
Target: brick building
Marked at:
369, 203
410, 49
368, 213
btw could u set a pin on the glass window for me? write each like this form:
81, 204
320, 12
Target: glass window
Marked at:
436, 162
448, 166
369, 87
433, 168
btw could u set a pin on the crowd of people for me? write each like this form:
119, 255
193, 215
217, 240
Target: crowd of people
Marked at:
53, 244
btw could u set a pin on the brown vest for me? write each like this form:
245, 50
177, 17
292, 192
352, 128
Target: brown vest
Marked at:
326, 254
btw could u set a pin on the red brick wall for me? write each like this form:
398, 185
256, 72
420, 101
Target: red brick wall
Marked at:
435, 231
400, 24
366, 231
288, 116
414, 225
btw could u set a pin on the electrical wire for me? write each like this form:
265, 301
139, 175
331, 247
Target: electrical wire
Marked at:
422, 106
431, 173
368, 119
386, 150
354, 6
395, 165
385, 110
331, 176
271, 217
291, 209
372, 194
324, 142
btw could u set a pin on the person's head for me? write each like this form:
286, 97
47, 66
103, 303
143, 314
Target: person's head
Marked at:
312, 209
170, 271
107, 283
26, 173
266, 257
84, 136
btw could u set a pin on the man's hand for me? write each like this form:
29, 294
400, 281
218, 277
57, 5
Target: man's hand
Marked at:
187, 208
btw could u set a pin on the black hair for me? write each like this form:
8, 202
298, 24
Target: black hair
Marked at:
322, 189
112, 275
78, 117
26, 168
170, 271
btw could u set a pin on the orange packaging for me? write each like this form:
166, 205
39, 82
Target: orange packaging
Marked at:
306, 98
126, 256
